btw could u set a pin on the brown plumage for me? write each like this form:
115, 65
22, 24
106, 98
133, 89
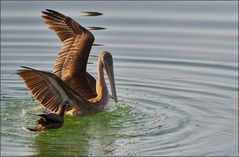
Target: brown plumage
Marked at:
50, 91
69, 80
72, 59
50, 120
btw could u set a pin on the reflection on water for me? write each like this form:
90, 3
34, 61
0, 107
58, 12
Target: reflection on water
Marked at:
98, 45
176, 67
92, 13
95, 134
77, 135
95, 28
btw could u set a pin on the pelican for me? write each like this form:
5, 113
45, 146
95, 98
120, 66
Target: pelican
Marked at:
69, 81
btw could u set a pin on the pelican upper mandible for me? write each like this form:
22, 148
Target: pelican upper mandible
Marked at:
69, 81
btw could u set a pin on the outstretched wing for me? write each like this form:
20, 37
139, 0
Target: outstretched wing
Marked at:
73, 36
72, 59
49, 90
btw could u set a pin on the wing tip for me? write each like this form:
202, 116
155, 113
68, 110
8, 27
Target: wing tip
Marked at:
51, 12
48, 11
25, 67
23, 70
19, 72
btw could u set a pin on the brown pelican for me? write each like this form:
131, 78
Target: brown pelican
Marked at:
69, 81
50, 120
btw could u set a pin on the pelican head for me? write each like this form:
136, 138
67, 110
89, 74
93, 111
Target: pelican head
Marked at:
107, 61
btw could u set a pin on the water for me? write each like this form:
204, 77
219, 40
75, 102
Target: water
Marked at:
176, 67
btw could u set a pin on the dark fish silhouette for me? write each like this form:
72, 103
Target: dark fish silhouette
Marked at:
50, 120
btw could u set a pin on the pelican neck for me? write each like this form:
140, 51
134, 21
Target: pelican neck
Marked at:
101, 88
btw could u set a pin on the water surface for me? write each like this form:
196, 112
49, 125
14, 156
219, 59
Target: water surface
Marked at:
176, 67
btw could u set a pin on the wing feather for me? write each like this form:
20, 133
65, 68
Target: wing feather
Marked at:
70, 32
57, 67
72, 59
49, 90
